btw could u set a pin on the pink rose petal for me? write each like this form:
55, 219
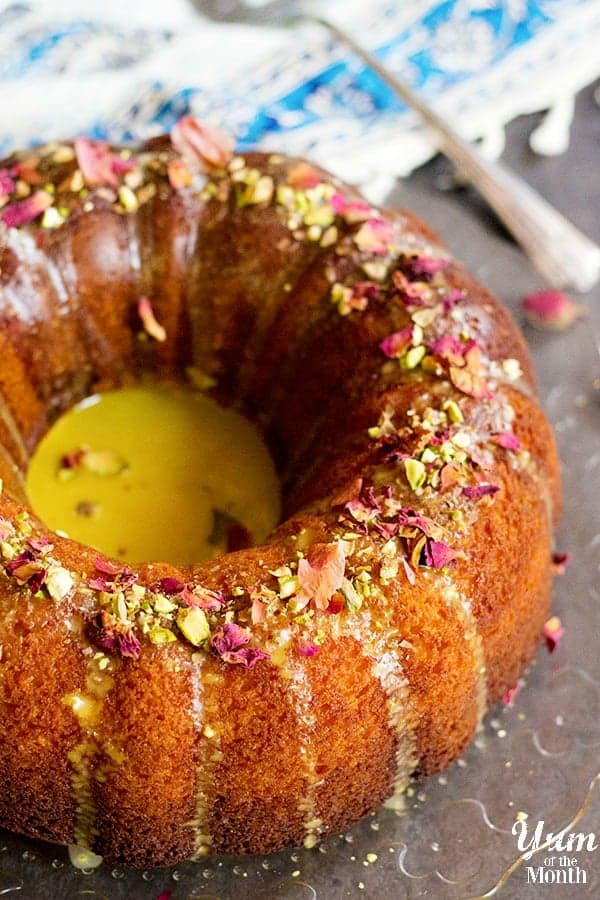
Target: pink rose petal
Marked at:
303, 176
229, 643
511, 693
437, 554
374, 236
202, 146
559, 562
551, 310
508, 440
203, 598
170, 585
22, 212
397, 343
7, 184
306, 648
476, 491
553, 632
107, 567
351, 211
320, 573
96, 161
149, 321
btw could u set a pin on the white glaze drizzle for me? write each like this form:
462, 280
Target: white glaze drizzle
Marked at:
463, 608
301, 693
382, 645
209, 754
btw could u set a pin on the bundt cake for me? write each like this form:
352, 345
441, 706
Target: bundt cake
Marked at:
279, 693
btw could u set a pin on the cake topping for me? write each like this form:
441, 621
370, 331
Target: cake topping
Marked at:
149, 321
320, 575
202, 146
99, 165
230, 644
551, 310
23, 212
559, 562
553, 633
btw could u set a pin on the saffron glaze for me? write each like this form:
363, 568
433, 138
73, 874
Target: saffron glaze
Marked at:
273, 695
146, 473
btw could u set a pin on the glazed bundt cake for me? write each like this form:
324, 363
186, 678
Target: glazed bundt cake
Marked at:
276, 694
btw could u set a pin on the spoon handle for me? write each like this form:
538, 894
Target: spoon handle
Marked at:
562, 254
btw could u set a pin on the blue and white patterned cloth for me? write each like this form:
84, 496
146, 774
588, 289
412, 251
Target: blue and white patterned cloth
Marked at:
129, 69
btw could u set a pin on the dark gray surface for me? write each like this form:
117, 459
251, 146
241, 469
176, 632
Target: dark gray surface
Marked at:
541, 755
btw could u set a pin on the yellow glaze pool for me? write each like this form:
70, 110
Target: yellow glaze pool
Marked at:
154, 474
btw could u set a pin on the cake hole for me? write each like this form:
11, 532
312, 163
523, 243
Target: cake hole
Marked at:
155, 474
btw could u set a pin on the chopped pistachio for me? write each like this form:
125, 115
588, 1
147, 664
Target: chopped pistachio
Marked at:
59, 582
163, 605
160, 635
193, 625
413, 357
52, 218
454, 411
127, 198
415, 473
351, 596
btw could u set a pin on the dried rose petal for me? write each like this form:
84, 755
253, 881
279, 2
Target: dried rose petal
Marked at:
170, 585
511, 693
469, 383
73, 459
151, 326
306, 648
100, 584
229, 642
259, 611
374, 236
553, 632
409, 518
303, 176
476, 491
437, 554
559, 562
551, 310
351, 211
129, 644
409, 571
7, 184
452, 298
507, 439
320, 574
451, 348
27, 570
450, 476
397, 343
96, 161
202, 146
425, 265
202, 597
22, 212
110, 633
107, 567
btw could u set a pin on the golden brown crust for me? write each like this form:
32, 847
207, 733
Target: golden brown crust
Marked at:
284, 302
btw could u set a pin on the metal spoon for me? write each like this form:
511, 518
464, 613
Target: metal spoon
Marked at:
562, 254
